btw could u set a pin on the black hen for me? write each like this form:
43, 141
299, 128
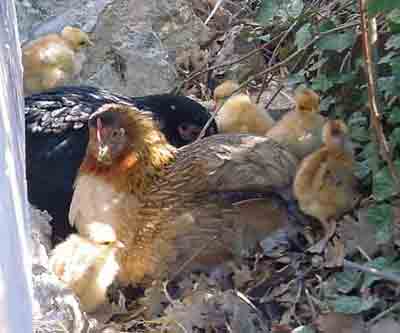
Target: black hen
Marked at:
57, 136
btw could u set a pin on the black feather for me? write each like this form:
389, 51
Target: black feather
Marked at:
57, 136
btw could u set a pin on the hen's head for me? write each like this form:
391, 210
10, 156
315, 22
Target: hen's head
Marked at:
76, 38
307, 101
124, 140
334, 134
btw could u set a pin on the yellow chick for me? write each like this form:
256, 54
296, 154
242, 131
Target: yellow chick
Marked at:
53, 60
325, 185
239, 114
88, 267
300, 130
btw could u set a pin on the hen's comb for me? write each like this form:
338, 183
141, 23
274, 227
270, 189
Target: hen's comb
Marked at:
98, 129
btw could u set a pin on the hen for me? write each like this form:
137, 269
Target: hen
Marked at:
325, 185
57, 136
239, 114
53, 60
173, 207
300, 130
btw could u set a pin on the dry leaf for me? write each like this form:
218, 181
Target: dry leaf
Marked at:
335, 253
340, 323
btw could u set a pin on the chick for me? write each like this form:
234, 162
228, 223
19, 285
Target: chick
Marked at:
165, 203
239, 114
53, 60
88, 267
325, 185
300, 130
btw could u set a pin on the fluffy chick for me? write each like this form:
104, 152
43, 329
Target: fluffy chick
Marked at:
165, 204
325, 185
239, 114
88, 267
53, 60
300, 130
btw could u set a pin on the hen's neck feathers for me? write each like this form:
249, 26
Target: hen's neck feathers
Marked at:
136, 171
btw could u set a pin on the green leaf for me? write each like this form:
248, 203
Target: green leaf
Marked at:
283, 9
303, 35
336, 42
327, 25
376, 6
393, 42
265, 38
346, 281
394, 16
384, 186
387, 59
359, 134
381, 215
371, 155
388, 85
384, 264
393, 19
353, 304
394, 116
362, 169
322, 83
297, 78
395, 138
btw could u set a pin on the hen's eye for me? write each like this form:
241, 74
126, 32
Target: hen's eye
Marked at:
117, 133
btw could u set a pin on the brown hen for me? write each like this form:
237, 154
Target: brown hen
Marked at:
174, 208
325, 185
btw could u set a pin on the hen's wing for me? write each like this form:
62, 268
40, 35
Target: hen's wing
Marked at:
196, 214
57, 137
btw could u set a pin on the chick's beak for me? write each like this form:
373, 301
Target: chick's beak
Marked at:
90, 43
104, 155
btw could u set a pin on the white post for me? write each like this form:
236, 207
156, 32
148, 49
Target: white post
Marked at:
15, 261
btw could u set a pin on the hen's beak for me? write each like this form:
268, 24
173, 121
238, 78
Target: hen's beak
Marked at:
104, 155
119, 245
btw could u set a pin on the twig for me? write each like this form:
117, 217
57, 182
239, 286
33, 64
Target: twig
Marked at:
271, 69
385, 275
273, 97
217, 5
225, 64
187, 262
264, 84
372, 97
382, 314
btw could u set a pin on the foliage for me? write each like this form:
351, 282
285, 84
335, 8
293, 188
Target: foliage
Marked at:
333, 66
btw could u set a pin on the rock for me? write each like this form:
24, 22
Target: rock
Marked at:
236, 45
40, 236
136, 41
55, 308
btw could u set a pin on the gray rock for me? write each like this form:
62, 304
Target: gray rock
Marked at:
136, 41
236, 45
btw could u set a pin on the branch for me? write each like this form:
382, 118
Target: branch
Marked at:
384, 147
272, 68
385, 275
